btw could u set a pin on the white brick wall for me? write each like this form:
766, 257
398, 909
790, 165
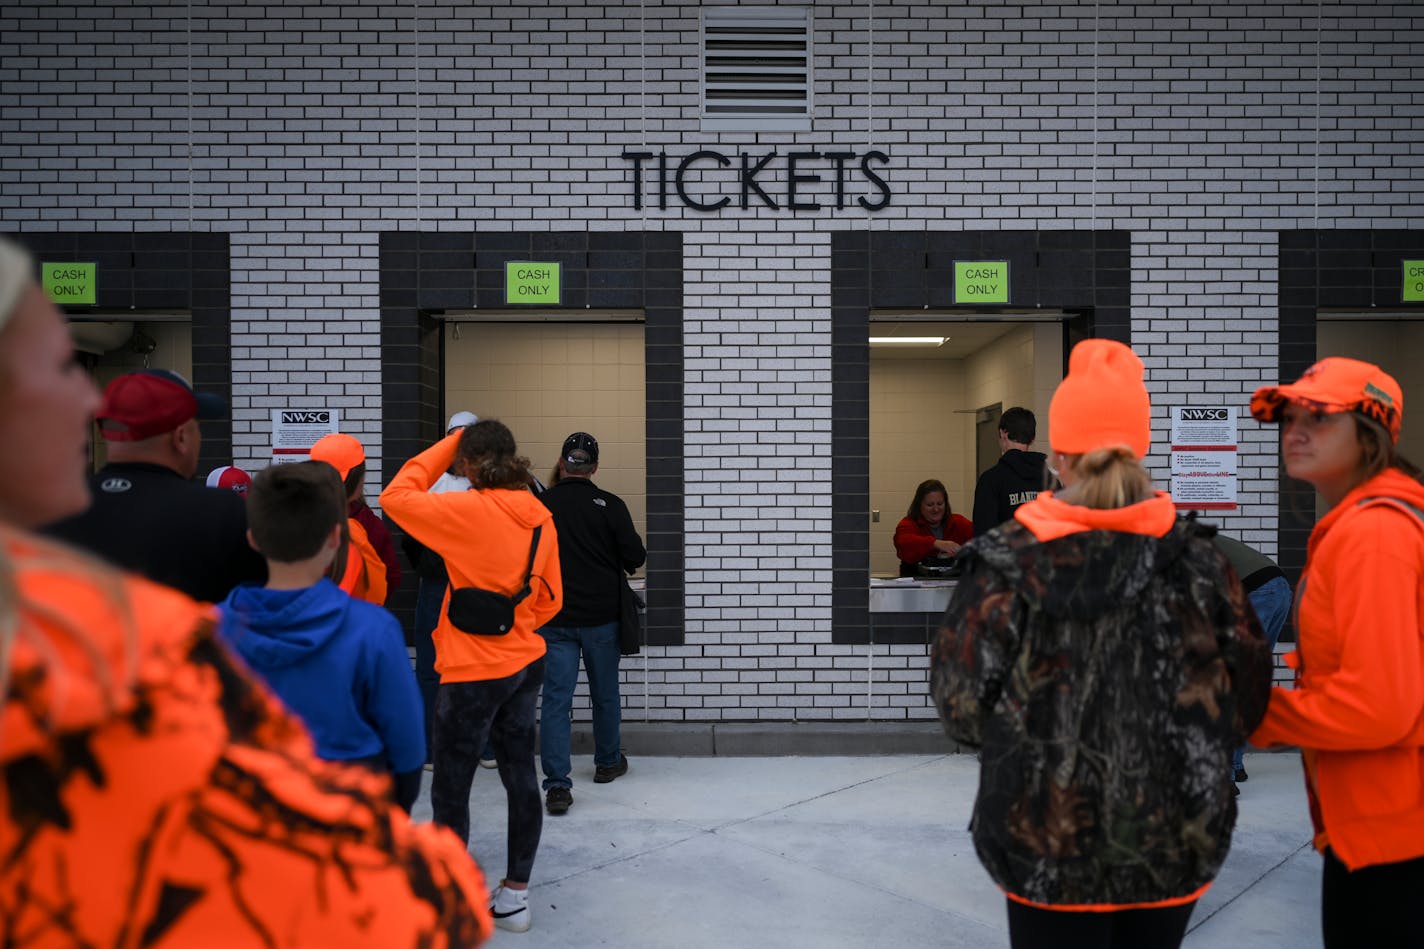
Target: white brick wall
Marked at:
305, 129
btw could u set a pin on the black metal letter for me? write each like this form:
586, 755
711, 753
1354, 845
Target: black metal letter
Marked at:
749, 174
637, 158
696, 205
880, 184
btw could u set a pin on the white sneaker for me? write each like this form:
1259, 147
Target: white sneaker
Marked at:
488, 763
510, 909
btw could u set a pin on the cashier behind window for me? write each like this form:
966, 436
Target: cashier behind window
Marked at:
930, 533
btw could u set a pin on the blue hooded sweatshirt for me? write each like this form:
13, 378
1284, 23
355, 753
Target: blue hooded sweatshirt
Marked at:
339, 663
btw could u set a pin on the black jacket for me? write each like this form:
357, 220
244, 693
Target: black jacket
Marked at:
1015, 478
149, 519
597, 544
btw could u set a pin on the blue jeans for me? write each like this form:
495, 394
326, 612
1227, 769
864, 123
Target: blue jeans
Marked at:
1272, 602
428, 597
599, 645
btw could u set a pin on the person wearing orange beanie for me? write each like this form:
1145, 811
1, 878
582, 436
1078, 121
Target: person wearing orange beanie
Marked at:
1357, 709
1103, 655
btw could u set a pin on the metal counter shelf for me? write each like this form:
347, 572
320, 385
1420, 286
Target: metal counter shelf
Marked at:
910, 595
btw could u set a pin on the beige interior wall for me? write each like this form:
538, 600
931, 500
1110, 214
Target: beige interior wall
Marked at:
1397, 347
922, 420
173, 350
547, 380
915, 433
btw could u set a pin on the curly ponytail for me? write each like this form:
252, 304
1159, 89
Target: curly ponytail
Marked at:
489, 456
1106, 478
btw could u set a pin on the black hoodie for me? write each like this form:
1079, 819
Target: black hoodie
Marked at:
1017, 477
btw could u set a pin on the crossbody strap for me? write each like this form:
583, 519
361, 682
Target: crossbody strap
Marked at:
529, 569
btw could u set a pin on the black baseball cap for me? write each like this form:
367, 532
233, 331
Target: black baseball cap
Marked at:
580, 448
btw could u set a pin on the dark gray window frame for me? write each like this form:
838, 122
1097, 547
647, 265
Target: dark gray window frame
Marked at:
430, 272
188, 271
1086, 273
1327, 269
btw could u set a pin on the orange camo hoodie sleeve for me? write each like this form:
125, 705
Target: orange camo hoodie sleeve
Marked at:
154, 793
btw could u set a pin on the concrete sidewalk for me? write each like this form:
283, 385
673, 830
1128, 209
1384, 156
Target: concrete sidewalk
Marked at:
840, 852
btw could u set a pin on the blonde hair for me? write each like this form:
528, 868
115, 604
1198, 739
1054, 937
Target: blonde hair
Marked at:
1106, 478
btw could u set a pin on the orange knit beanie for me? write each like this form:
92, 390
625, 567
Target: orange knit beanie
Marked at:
1101, 402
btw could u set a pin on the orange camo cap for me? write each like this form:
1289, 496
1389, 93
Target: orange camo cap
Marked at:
1102, 402
343, 452
1337, 384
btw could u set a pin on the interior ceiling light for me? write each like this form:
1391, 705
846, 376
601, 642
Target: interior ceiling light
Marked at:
908, 340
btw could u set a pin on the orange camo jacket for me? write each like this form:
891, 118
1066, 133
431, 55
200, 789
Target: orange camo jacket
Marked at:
156, 795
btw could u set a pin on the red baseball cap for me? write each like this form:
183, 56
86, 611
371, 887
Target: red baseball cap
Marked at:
149, 402
343, 452
1337, 384
230, 478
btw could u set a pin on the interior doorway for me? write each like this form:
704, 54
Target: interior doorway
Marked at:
986, 437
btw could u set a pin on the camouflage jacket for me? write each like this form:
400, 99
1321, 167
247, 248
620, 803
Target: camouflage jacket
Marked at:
1106, 678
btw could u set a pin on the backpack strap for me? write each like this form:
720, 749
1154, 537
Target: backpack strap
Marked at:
524, 591
1397, 503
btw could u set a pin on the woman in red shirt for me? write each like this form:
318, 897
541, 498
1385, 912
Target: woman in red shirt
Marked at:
930, 530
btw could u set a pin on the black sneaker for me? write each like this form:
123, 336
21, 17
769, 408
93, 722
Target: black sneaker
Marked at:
1240, 775
603, 775
558, 800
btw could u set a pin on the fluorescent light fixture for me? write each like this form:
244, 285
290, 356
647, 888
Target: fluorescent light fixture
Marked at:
908, 340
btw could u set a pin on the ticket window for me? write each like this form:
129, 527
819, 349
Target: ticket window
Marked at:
548, 379
926, 402
1396, 345
109, 346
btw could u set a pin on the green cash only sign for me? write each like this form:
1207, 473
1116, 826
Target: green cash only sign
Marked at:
1413, 291
531, 282
981, 281
69, 283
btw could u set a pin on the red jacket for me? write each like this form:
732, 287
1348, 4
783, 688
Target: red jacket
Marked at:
914, 541
1357, 710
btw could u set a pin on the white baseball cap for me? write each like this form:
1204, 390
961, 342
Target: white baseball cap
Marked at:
461, 420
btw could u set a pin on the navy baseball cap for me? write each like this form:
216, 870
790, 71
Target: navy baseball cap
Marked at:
580, 448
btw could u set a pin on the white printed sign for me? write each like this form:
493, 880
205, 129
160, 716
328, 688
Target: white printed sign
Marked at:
294, 431
1204, 457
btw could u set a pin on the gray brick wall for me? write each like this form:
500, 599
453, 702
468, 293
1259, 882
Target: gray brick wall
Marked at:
304, 129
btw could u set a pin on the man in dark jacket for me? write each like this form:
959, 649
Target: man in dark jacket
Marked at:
148, 515
597, 544
1017, 477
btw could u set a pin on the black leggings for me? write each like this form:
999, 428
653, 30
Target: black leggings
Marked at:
1160, 928
502, 711
1374, 906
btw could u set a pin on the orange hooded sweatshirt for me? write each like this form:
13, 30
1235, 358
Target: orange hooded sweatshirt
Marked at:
1048, 518
155, 793
1357, 710
484, 536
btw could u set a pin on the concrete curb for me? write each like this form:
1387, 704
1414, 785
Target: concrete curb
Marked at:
772, 739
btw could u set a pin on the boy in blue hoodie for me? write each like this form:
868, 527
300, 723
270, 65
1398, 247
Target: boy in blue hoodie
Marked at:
338, 662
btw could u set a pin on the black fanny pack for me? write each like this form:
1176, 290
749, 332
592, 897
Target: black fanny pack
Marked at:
482, 612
